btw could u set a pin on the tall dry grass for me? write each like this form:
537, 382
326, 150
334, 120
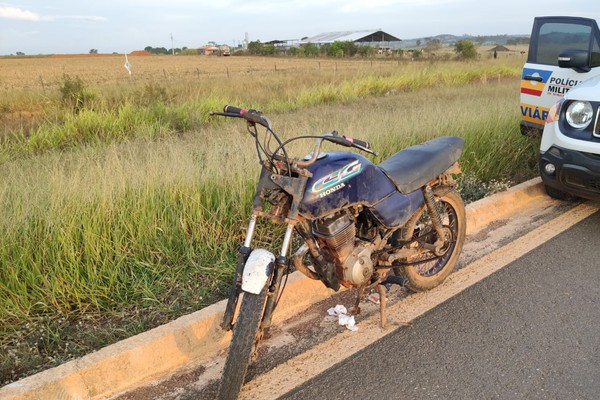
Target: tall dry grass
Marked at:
85, 115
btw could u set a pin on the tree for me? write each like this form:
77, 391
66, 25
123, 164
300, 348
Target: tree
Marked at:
433, 45
157, 50
268, 50
366, 51
189, 52
310, 49
94, 51
465, 48
336, 49
296, 51
255, 47
350, 48
261, 49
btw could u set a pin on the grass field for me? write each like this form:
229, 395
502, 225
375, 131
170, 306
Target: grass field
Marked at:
127, 213
44, 73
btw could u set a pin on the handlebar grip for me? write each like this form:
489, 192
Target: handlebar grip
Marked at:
358, 142
341, 140
234, 110
250, 115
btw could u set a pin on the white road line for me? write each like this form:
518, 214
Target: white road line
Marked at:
297, 370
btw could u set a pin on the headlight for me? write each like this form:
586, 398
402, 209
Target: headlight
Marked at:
579, 114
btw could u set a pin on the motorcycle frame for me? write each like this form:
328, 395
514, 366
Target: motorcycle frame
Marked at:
291, 177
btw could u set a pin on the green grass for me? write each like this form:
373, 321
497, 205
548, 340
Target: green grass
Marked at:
117, 219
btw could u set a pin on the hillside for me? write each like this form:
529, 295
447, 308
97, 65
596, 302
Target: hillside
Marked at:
447, 39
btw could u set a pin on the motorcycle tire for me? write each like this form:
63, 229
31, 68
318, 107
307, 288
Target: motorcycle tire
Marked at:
425, 275
242, 344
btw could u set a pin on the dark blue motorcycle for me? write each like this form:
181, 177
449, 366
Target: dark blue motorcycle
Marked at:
362, 226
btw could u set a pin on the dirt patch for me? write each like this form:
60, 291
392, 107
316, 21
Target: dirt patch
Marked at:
165, 387
140, 53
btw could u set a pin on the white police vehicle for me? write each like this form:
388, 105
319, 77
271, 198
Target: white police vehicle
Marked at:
560, 93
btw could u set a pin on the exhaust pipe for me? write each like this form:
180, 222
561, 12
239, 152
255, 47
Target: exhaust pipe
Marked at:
299, 264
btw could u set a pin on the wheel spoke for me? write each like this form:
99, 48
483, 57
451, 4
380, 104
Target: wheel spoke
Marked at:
426, 270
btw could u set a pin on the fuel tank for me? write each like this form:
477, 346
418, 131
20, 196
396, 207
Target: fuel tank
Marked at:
342, 179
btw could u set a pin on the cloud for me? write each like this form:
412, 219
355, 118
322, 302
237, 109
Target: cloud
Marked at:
17, 13
8, 12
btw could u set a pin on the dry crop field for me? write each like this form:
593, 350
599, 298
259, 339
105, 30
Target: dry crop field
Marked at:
44, 72
35, 73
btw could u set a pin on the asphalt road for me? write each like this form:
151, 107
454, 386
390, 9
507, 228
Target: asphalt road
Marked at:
529, 331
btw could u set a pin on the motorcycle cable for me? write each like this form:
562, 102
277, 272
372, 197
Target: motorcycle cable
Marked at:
287, 274
260, 148
254, 134
328, 138
282, 148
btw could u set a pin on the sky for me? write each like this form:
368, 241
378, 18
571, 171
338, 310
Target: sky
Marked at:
77, 26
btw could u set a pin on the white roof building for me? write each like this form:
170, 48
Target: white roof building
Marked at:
369, 37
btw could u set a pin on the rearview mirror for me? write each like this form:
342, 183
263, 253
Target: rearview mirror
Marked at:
575, 59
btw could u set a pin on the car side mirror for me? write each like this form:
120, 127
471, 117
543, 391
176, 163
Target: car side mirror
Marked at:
575, 59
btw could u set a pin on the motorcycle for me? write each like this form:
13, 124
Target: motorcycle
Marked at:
362, 226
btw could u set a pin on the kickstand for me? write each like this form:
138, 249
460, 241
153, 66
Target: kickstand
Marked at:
359, 294
382, 303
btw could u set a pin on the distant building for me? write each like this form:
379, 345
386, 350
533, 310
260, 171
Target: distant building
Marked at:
213, 49
499, 48
209, 50
374, 38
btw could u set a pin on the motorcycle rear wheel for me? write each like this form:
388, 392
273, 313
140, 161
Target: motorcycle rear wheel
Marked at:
426, 271
242, 344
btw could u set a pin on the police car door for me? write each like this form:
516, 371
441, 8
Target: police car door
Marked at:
543, 82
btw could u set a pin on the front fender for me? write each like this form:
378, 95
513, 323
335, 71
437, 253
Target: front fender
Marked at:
257, 270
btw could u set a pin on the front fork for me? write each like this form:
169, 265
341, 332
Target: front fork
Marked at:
281, 263
294, 186
236, 288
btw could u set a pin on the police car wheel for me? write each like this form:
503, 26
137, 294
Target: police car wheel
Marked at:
558, 194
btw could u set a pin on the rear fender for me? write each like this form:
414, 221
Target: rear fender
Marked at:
257, 270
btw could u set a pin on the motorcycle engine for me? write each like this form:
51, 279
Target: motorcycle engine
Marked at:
336, 237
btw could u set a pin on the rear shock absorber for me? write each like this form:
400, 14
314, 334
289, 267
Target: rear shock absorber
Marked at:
436, 220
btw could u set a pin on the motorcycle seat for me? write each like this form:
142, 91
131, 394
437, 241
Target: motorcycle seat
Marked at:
415, 166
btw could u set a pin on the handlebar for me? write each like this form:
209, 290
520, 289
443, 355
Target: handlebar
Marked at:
256, 117
234, 110
249, 115
360, 143
350, 142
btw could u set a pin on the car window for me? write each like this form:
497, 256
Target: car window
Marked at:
555, 37
595, 53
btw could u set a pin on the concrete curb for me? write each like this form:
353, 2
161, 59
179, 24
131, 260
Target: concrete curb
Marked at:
197, 337
499, 205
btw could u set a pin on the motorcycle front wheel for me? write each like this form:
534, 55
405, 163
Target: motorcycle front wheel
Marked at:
427, 270
245, 331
